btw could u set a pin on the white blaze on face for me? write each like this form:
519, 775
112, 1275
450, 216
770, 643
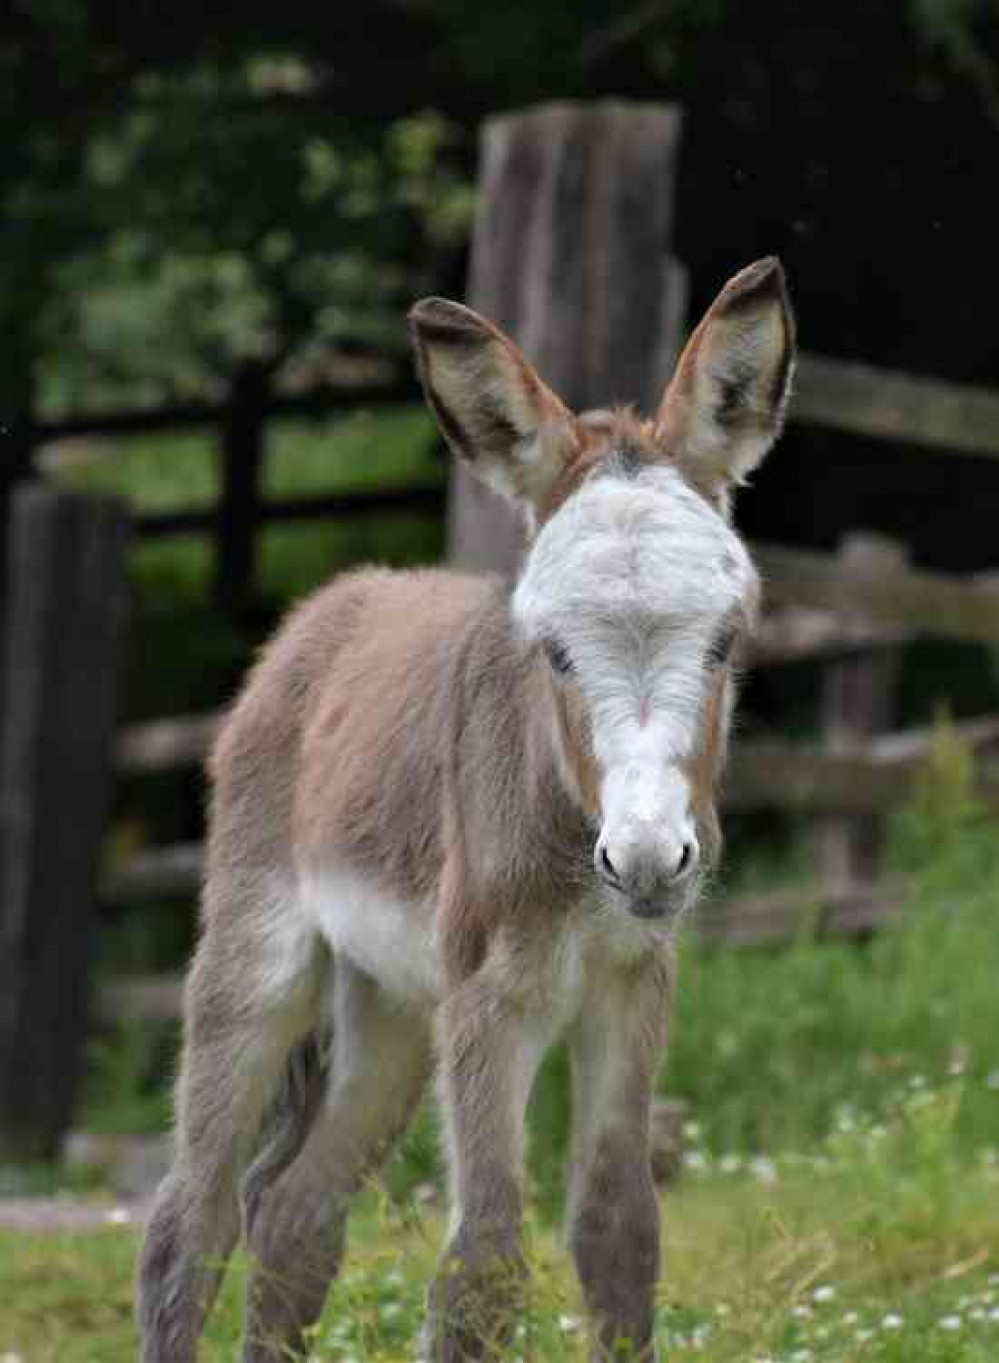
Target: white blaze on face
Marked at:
634, 578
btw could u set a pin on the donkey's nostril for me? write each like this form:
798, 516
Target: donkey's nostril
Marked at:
688, 859
605, 866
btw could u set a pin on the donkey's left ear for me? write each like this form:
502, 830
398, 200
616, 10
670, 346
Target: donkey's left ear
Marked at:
726, 403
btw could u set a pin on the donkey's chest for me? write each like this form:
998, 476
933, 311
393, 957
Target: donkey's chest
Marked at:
395, 942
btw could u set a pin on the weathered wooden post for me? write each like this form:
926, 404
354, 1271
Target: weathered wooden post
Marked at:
239, 504
65, 606
571, 256
858, 694
17, 430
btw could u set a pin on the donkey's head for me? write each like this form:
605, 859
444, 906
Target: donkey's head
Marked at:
636, 589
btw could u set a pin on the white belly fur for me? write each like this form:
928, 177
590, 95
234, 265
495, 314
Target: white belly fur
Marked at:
393, 941
389, 939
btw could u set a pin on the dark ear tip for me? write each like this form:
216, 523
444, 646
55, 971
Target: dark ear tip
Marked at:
767, 270
431, 308
446, 323
766, 265
763, 279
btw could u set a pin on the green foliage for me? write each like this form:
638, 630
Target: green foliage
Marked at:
770, 1046
944, 804
174, 202
206, 263
129, 1070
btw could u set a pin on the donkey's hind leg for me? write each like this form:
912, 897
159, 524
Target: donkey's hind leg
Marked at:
381, 1059
245, 1013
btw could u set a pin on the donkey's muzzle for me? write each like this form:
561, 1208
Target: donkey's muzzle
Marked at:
647, 878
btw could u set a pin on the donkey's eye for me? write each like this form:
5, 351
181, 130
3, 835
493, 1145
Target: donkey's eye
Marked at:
721, 647
558, 656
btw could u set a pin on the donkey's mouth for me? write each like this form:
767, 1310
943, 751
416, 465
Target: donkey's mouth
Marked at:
665, 907
655, 907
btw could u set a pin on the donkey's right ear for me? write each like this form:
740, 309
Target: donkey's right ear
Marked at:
491, 406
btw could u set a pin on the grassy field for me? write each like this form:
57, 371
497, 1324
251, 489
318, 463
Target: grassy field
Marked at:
881, 1244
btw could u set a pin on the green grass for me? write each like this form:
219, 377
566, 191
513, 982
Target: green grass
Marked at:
840, 1195
881, 1244
772, 1047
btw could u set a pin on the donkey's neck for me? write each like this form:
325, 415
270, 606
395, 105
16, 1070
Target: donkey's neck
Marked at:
510, 818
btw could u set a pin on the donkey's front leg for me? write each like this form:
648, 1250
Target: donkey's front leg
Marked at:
613, 1221
489, 1054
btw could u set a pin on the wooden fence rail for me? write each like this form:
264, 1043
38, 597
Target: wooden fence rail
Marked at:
907, 598
796, 776
863, 400
171, 872
778, 917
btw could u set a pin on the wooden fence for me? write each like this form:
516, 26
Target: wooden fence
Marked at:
240, 426
65, 575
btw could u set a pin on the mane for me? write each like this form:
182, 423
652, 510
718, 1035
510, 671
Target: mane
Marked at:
605, 433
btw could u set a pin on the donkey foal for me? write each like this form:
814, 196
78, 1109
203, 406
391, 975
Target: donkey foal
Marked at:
450, 824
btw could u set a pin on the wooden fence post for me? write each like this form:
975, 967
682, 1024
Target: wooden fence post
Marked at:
858, 695
571, 256
18, 433
239, 504
61, 633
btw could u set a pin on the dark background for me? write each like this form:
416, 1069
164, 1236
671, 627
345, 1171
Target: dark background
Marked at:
180, 162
